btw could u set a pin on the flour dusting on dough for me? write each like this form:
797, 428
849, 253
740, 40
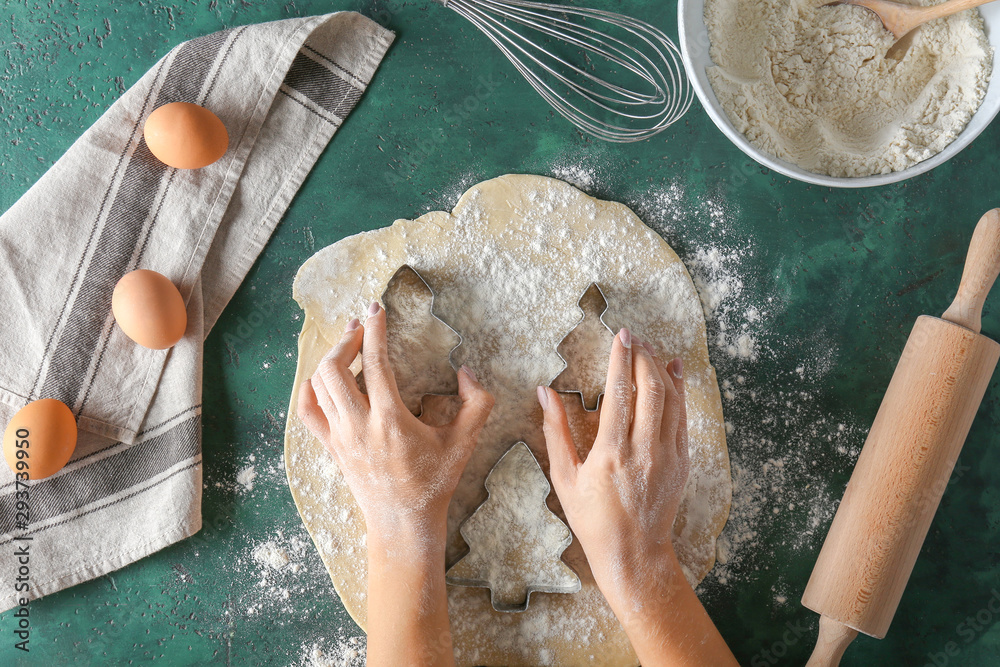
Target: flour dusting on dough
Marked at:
508, 269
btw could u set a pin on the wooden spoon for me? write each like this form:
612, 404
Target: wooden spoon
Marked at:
900, 19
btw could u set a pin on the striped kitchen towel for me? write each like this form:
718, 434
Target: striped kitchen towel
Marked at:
108, 207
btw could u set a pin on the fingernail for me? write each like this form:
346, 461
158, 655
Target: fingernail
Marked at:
649, 348
352, 325
468, 371
373, 309
543, 398
626, 337
677, 367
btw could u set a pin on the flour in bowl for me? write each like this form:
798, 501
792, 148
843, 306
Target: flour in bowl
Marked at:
811, 84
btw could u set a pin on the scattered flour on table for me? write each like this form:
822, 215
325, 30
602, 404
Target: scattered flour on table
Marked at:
288, 582
578, 175
720, 287
345, 652
716, 266
278, 577
778, 433
274, 566
254, 478
778, 437
585, 168
271, 554
811, 84
246, 476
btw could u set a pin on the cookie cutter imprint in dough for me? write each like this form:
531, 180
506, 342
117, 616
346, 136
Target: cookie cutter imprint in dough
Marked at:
501, 564
586, 351
420, 343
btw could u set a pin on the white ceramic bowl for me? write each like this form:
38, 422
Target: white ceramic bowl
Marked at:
694, 45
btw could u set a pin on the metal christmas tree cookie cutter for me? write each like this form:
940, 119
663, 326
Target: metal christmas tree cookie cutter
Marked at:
420, 343
586, 379
540, 572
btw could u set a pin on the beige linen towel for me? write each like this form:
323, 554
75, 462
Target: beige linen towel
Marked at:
108, 207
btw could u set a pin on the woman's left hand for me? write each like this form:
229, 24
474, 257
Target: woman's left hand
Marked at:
401, 470
403, 473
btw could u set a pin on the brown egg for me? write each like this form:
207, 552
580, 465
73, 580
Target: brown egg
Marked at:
185, 135
40, 439
149, 309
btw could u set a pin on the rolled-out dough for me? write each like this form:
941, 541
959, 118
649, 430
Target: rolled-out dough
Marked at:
508, 266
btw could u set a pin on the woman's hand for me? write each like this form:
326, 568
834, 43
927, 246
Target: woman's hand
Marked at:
401, 471
622, 501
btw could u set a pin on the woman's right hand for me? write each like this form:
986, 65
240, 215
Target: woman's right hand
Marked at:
622, 501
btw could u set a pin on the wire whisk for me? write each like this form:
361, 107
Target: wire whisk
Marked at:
656, 95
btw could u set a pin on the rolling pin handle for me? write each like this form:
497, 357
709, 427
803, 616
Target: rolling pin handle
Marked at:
981, 268
834, 638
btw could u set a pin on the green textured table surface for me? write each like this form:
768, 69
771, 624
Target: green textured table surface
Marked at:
826, 285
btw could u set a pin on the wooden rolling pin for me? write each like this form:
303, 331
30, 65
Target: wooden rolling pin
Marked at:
906, 462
